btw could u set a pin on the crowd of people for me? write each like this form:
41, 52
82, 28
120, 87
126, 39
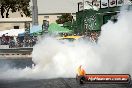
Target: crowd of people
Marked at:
30, 42
93, 36
15, 42
89, 35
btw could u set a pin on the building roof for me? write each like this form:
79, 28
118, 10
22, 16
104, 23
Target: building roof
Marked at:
15, 20
54, 13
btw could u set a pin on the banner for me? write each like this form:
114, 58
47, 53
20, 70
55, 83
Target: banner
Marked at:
88, 5
112, 3
104, 78
80, 6
120, 2
97, 4
104, 3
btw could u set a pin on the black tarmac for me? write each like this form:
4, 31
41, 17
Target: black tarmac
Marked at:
55, 83
46, 83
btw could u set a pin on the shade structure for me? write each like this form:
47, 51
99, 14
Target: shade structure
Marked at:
55, 28
35, 29
12, 32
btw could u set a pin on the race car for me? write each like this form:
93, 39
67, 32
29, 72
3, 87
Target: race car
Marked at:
70, 38
82, 77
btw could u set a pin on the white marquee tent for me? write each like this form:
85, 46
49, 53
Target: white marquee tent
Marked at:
12, 32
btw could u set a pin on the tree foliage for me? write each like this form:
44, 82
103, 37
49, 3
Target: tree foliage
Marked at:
65, 17
14, 5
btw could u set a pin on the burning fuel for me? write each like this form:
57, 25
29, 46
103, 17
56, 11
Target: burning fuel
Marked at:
81, 71
112, 54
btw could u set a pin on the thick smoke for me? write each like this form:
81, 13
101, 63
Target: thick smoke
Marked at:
115, 44
54, 58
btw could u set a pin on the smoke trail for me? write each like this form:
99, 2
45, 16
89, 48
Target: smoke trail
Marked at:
112, 53
115, 43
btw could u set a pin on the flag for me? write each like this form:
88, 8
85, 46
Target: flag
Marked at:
88, 5
112, 3
104, 3
120, 2
80, 6
96, 3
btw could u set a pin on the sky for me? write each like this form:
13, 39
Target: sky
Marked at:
58, 6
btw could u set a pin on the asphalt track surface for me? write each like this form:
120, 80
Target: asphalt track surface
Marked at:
47, 83
55, 83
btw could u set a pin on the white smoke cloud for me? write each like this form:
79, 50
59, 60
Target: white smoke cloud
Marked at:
112, 54
115, 43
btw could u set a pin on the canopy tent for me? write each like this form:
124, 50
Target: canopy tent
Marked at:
34, 31
11, 32
55, 28
22, 34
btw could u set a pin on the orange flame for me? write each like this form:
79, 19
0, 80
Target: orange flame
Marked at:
81, 71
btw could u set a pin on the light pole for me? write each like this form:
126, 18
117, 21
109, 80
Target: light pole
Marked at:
83, 5
83, 17
35, 12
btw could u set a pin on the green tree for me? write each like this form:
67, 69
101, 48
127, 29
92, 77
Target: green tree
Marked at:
65, 17
14, 5
2, 9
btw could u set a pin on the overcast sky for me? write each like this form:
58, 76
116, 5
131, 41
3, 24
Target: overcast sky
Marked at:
58, 6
